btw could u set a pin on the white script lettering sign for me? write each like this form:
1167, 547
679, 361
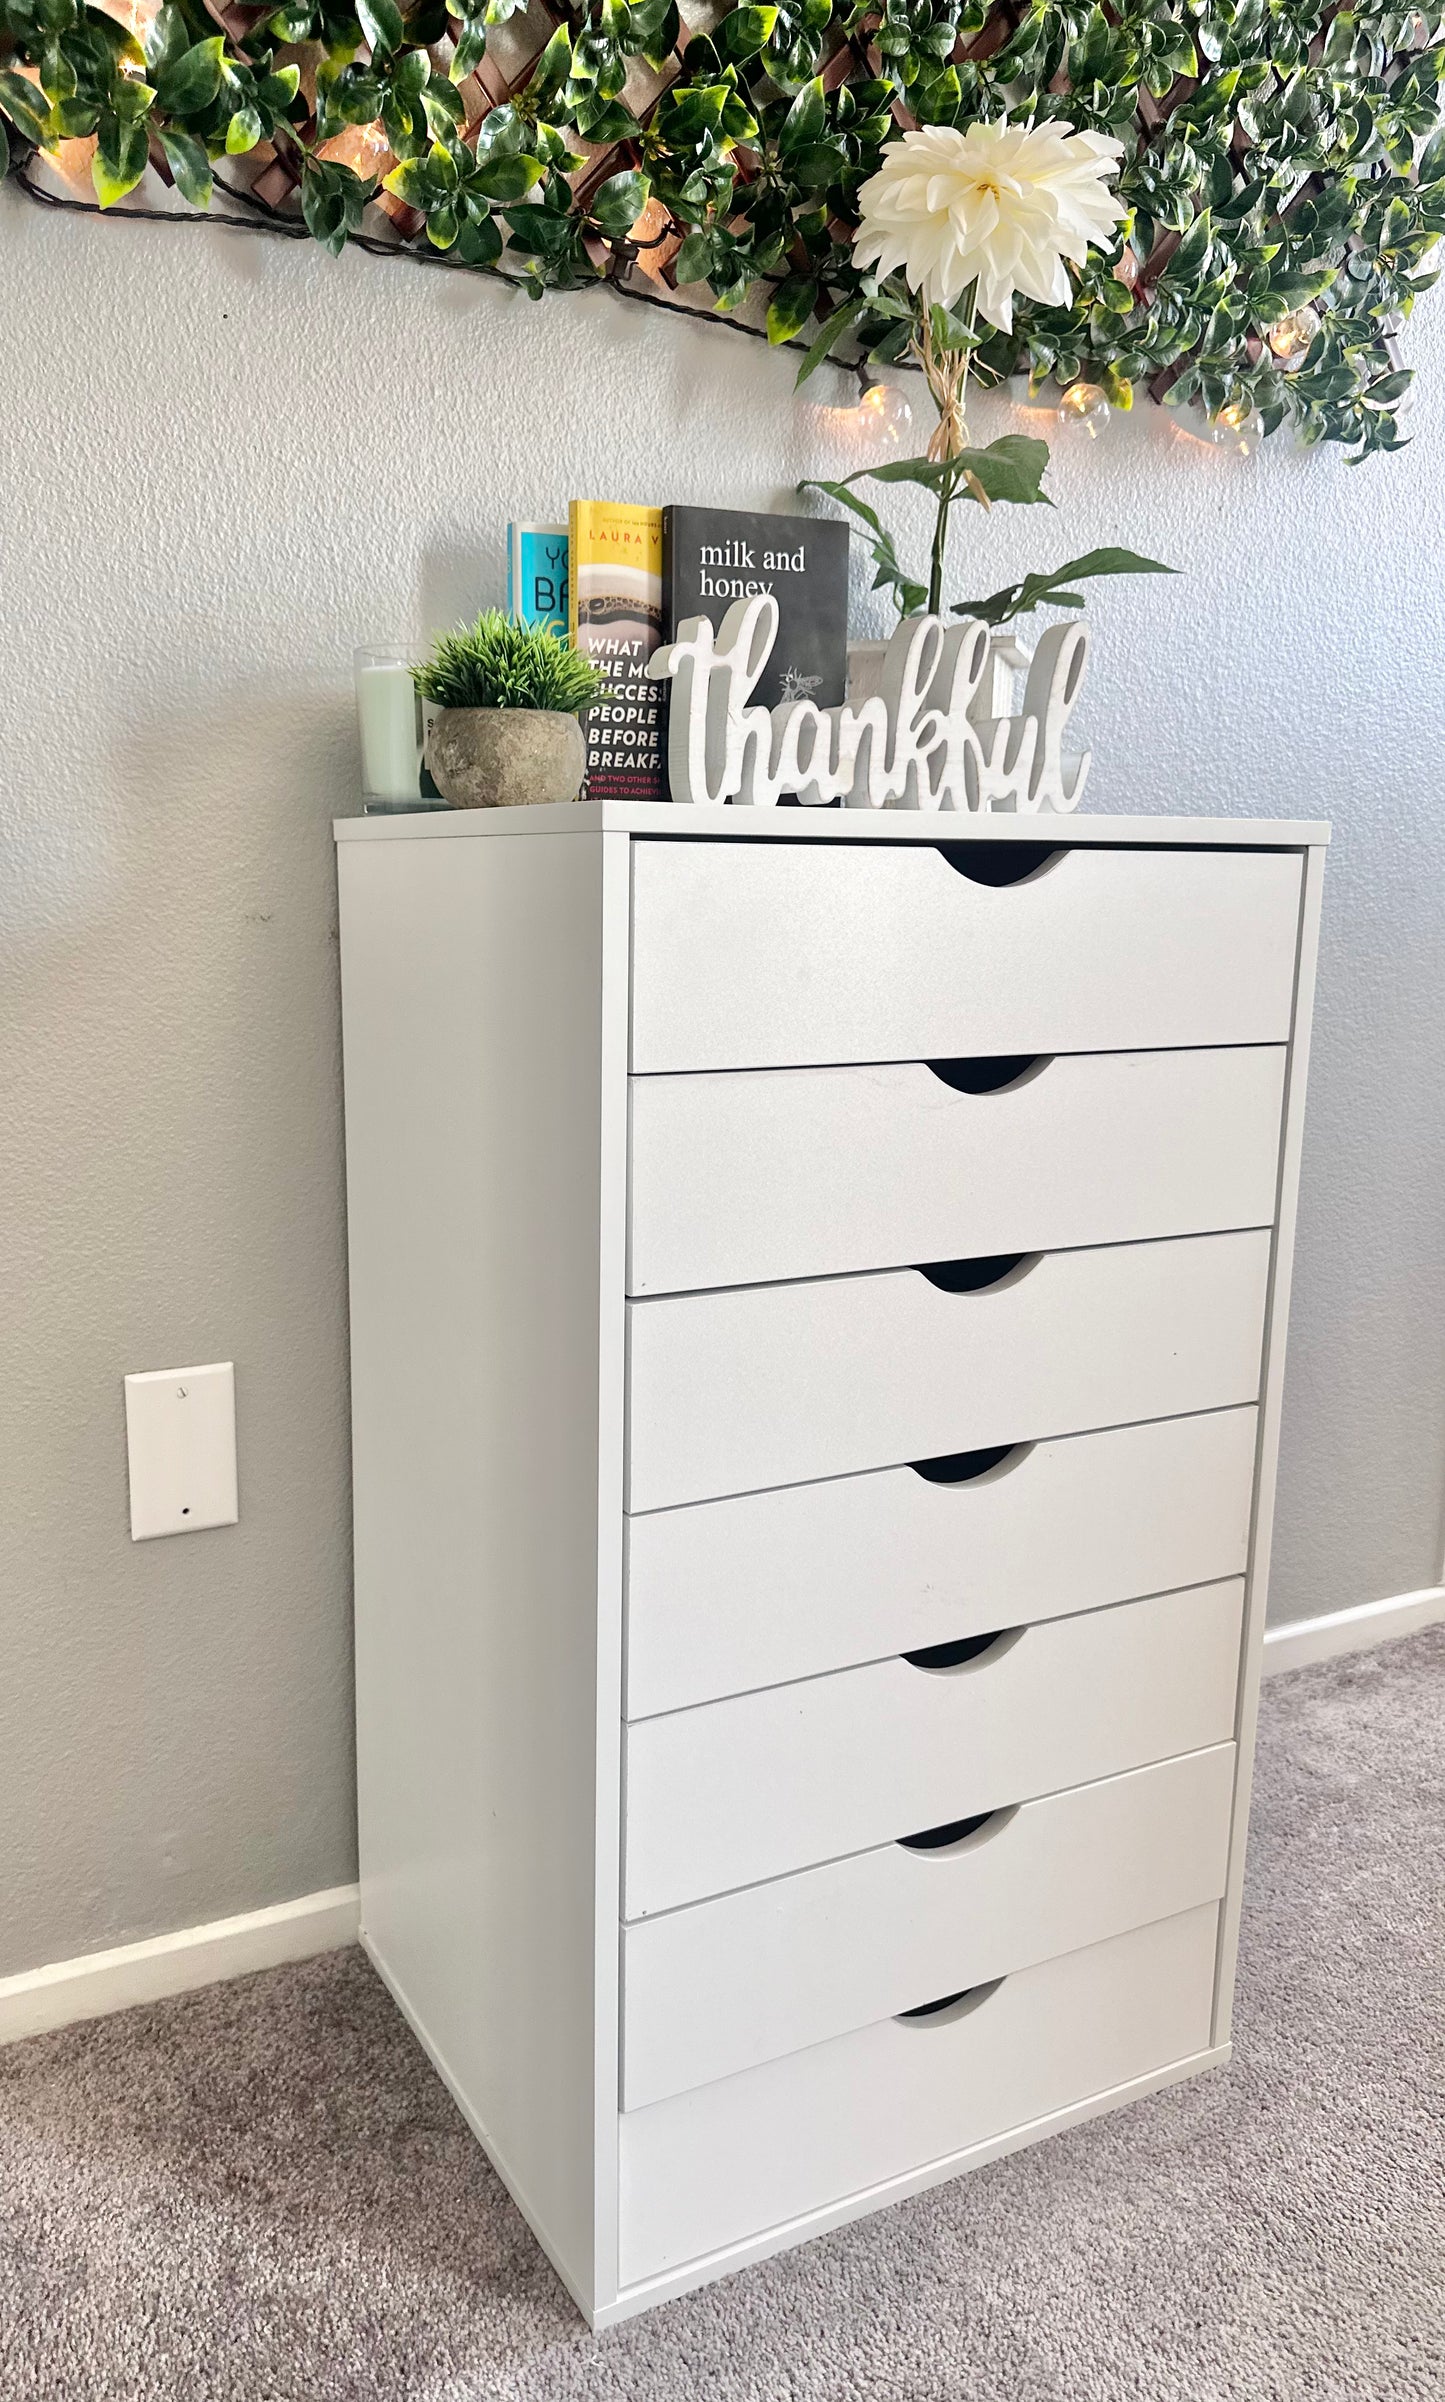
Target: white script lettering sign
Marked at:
912, 745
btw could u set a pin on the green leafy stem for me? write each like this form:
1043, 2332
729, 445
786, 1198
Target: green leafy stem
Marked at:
1011, 469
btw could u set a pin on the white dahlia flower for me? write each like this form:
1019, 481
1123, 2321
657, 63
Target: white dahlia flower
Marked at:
999, 206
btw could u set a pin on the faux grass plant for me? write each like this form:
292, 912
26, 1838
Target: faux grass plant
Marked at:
499, 663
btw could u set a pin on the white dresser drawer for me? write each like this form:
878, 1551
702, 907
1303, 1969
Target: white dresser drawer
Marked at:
778, 954
723, 1596
729, 1983
730, 1392
731, 2160
735, 1791
739, 1178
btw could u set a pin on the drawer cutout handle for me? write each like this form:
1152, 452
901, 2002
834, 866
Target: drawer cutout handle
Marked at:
962, 1834
969, 1651
1000, 863
951, 2007
994, 1275
1001, 1075
973, 1467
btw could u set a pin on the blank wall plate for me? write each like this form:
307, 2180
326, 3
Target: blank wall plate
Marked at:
180, 1431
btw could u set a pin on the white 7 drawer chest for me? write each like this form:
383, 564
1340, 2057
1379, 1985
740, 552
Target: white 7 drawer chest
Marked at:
818, 1289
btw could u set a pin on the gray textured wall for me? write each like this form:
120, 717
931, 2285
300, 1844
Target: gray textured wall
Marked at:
236, 460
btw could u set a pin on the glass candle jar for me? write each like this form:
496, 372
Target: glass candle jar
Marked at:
388, 716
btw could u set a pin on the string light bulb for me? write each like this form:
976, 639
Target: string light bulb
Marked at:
884, 414
1086, 405
1238, 426
363, 148
1290, 337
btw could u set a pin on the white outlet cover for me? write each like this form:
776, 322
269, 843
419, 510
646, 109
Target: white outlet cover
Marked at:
180, 1431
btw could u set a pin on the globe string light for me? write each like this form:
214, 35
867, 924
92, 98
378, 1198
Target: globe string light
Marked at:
1087, 405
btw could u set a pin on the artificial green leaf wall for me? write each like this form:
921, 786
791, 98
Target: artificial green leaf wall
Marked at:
1284, 167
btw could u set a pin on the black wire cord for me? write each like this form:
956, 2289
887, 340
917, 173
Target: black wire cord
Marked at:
264, 220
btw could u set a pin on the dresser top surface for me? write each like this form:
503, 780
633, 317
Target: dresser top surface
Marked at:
727, 820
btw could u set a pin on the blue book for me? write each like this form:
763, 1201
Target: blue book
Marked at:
537, 575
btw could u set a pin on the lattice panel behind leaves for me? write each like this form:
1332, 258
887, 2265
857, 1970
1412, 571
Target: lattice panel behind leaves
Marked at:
1284, 167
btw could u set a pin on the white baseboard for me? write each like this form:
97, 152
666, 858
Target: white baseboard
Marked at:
98, 1982
1298, 1643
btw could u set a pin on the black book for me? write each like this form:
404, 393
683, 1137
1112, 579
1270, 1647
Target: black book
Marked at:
713, 557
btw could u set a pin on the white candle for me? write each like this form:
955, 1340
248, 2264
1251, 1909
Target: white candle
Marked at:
389, 716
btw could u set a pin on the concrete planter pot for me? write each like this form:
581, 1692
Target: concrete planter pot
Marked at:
505, 758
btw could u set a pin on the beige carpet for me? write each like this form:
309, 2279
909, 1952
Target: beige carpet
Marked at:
262, 2194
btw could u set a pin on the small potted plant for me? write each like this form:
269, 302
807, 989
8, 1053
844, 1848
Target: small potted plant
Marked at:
506, 696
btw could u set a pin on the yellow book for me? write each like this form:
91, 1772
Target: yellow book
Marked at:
614, 615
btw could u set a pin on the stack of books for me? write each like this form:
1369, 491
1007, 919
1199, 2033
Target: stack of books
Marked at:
621, 579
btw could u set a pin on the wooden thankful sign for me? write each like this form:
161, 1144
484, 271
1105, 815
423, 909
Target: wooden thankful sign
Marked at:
920, 742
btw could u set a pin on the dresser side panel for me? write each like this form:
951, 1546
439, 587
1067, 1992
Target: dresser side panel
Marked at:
1271, 1394
484, 1006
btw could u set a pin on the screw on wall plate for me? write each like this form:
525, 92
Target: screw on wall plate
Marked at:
180, 1392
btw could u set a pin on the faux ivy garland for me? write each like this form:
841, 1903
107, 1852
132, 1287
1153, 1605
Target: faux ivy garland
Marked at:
1282, 167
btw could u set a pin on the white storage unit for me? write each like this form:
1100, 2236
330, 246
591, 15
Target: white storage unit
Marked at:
818, 1286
